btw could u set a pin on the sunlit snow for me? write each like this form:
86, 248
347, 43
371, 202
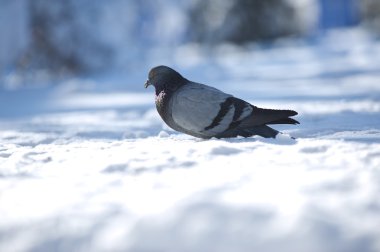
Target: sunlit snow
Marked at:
91, 167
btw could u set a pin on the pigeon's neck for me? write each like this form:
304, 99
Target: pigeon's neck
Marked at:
164, 109
160, 91
161, 97
169, 86
164, 92
162, 105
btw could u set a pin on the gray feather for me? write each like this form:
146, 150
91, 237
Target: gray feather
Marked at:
194, 106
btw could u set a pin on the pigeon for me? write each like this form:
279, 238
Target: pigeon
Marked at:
206, 112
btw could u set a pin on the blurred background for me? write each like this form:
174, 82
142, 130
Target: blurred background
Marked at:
42, 40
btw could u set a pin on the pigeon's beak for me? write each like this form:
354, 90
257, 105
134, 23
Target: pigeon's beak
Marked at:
147, 83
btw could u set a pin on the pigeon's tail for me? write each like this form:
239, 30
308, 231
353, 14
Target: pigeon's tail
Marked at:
272, 116
256, 123
284, 121
261, 130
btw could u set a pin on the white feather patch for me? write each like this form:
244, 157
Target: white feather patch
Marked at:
246, 112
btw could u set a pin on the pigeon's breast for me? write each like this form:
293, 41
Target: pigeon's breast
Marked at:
164, 108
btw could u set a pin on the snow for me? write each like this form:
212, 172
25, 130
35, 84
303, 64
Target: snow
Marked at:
88, 165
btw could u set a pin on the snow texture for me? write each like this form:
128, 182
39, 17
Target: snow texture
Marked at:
87, 164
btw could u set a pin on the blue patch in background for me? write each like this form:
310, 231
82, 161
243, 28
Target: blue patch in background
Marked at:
338, 13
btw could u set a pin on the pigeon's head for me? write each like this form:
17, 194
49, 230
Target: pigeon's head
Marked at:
164, 78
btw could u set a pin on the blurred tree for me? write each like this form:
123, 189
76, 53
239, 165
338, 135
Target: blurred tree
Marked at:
88, 35
14, 32
62, 38
370, 10
241, 21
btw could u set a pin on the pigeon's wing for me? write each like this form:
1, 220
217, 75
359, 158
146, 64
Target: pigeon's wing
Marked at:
207, 111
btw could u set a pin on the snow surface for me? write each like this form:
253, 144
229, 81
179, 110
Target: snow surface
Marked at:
87, 164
